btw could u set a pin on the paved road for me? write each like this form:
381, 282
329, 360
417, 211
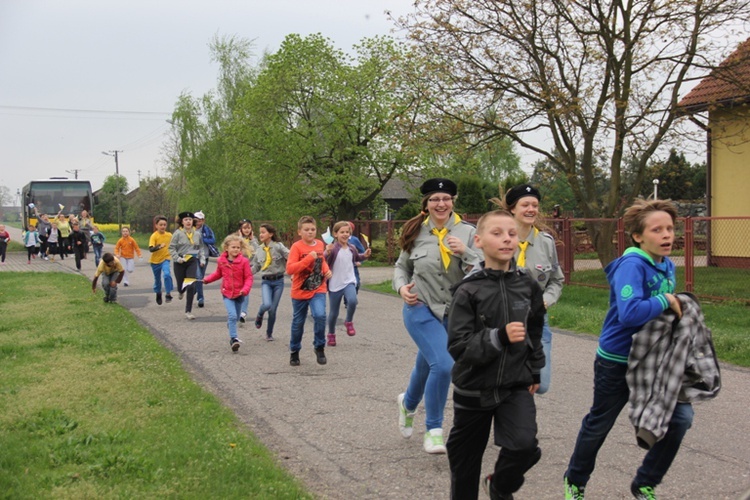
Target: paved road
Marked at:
335, 427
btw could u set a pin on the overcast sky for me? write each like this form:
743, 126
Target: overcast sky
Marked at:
78, 77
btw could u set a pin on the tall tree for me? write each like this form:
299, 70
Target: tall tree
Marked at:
111, 198
572, 81
323, 131
678, 178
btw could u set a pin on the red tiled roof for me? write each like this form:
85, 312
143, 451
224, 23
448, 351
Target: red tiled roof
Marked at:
727, 84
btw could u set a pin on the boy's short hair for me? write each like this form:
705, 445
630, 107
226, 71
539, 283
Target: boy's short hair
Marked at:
634, 218
305, 219
108, 258
500, 212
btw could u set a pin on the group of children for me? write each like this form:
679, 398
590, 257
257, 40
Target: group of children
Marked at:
494, 326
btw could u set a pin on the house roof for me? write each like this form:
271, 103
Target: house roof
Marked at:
728, 84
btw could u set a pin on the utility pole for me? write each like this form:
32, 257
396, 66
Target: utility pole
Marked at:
74, 172
114, 152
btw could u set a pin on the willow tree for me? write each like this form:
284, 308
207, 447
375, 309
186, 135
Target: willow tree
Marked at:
573, 80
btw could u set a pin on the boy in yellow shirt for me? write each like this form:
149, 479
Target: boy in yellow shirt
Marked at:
158, 245
111, 272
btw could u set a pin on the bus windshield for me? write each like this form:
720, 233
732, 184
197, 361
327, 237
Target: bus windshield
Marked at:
52, 196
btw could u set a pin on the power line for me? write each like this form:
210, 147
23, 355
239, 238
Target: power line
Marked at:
95, 111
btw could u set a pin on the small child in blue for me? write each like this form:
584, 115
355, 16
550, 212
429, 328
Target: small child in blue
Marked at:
642, 284
97, 241
31, 241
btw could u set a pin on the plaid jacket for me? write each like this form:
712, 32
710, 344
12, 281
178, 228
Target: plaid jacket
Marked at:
670, 361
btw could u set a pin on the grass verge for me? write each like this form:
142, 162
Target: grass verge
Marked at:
92, 406
582, 309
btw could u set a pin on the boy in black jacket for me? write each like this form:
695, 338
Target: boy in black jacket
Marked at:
494, 335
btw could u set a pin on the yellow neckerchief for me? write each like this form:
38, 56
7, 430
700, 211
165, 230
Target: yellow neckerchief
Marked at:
189, 235
268, 257
523, 245
445, 252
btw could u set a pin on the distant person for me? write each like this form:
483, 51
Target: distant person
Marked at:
158, 245
342, 257
354, 240
495, 326
309, 272
437, 250
87, 227
44, 227
63, 225
270, 261
209, 244
97, 243
245, 230
187, 253
126, 249
233, 269
53, 242
642, 283
4, 240
78, 242
111, 272
538, 254
31, 242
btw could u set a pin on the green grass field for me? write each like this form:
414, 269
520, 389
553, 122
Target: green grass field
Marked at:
92, 406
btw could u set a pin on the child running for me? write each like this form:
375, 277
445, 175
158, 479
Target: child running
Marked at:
186, 250
642, 284
97, 242
309, 271
158, 245
31, 242
495, 337
111, 272
78, 243
233, 269
125, 249
342, 257
246, 231
270, 260
53, 242
4, 240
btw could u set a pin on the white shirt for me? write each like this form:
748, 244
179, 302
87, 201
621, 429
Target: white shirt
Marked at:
343, 271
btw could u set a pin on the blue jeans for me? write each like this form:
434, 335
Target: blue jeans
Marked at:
110, 292
159, 270
233, 314
334, 302
610, 397
271, 291
97, 253
546, 374
317, 305
431, 375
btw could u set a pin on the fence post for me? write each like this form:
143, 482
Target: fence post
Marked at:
568, 249
689, 260
389, 243
620, 236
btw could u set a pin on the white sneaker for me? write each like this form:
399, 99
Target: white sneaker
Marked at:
190, 316
405, 418
433, 441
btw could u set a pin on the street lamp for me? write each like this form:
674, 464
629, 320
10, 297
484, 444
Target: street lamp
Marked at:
656, 189
114, 153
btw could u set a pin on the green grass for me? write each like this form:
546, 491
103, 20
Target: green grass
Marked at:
94, 407
582, 309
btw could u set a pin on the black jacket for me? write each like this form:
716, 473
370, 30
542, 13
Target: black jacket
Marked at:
486, 363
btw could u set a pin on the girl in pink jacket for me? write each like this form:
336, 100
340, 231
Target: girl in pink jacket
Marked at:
233, 268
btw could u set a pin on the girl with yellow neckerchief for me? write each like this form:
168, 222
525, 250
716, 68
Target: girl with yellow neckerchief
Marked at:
437, 251
537, 253
270, 260
187, 251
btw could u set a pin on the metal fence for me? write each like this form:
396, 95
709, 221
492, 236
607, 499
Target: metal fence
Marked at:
712, 254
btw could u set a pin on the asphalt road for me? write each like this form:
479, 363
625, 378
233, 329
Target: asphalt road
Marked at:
335, 426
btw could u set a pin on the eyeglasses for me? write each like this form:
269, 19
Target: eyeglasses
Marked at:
438, 200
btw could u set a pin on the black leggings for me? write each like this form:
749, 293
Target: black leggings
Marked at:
187, 270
